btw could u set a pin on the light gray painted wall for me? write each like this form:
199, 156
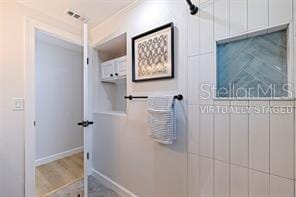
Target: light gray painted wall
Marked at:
122, 147
59, 96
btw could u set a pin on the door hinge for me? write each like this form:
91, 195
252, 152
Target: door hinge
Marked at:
87, 60
87, 156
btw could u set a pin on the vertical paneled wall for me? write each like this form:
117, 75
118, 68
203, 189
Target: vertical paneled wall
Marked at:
145, 167
236, 155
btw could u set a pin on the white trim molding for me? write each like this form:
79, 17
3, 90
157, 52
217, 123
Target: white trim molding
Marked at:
58, 156
119, 189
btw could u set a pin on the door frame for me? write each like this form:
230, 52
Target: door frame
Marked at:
31, 27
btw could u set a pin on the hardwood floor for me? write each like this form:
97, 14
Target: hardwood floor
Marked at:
54, 175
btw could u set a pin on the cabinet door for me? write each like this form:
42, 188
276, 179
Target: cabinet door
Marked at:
108, 70
121, 67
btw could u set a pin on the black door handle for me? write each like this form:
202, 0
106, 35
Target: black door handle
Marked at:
85, 123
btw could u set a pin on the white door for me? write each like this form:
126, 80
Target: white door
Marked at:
87, 122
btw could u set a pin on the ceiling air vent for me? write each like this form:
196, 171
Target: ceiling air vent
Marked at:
76, 16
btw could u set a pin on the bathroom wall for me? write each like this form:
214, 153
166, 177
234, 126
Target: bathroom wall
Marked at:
147, 168
59, 96
122, 148
233, 154
12, 143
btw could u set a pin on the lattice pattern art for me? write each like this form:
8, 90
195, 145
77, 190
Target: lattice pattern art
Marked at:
153, 56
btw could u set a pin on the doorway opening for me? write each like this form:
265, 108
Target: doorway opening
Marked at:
59, 107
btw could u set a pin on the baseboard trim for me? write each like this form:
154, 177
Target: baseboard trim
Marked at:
58, 156
122, 191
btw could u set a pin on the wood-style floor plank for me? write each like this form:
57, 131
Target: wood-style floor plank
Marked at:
51, 176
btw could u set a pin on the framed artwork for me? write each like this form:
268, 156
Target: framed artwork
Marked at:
153, 54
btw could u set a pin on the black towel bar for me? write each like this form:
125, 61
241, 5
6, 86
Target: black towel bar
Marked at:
130, 97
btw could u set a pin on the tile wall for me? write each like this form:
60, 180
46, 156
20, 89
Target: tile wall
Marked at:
236, 155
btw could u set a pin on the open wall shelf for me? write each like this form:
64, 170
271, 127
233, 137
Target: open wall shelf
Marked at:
111, 86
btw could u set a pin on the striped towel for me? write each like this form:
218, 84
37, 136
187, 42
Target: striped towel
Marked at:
162, 119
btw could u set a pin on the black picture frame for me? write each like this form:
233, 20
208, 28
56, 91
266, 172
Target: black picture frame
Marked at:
172, 58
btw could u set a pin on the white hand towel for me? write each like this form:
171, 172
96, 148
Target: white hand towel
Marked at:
162, 119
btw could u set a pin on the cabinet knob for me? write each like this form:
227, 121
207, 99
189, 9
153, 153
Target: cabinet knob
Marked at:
111, 75
116, 74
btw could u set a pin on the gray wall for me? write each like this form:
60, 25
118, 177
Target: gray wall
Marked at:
122, 148
59, 75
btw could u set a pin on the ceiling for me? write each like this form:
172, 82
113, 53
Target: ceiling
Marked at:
96, 10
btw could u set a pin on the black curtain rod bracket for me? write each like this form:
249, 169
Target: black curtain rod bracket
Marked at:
130, 97
193, 8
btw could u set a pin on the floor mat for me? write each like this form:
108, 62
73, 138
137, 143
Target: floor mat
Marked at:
75, 189
97, 189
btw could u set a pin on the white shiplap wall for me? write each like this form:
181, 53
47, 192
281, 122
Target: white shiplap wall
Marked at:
236, 155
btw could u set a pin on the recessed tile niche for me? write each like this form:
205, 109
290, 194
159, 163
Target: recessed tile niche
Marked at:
254, 67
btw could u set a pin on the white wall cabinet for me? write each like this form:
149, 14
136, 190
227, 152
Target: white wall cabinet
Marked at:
114, 69
120, 66
108, 70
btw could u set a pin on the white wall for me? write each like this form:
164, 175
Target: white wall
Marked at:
12, 85
143, 164
236, 155
123, 150
59, 96
228, 155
